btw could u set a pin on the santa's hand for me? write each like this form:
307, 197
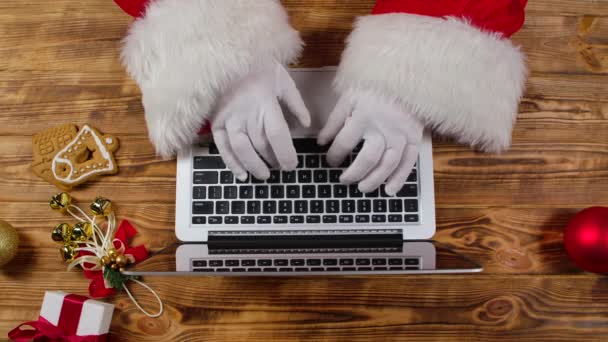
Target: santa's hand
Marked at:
249, 125
392, 139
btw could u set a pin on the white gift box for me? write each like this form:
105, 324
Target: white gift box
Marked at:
95, 317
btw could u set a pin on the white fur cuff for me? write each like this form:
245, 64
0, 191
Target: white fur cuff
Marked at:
461, 81
185, 53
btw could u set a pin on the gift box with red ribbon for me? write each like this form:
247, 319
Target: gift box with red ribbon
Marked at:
67, 317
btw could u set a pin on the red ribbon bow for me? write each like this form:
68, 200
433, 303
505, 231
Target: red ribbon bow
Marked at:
66, 328
97, 287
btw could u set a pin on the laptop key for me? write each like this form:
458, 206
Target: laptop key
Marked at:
346, 219
380, 269
364, 269
222, 207
346, 262
353, 191
332, 206
309, 145
363, 262
349, 269
239, 269
231, 220
215, 220
376, 262
324, 191
305, 176
285, 207
206, 177
312, 161
313, 262
332, 269
320, 176
204, 270
286, 269
408, 190
232, 263
313, 219
254, 207
300, 162
410, 218
246, 192
216, 263
330, 219
380, 206
261, 191
411, 205
275, 177
413, 177
247, 219
281, 262
277, 191
269, 207
412, 261
301, 207
199, 220
293, 191
395, 206
362, 218
298, 219
263, 219
309, 191
373, 194
334, 176
395, 261
317, 269
340, 191
199, 192
248, 263
202, 208
254, 269
226, 177
264, 262
378, 218
394, 218
316, 207
199, 263
280, 219
237, 207
394, 268
348, 206
256, 181
269, 269
364, 206
215, 192
296, 262
209, 163
330, 262
231, 192
289, 176
213, 149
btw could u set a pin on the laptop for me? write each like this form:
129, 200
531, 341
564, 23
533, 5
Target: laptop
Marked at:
303, 221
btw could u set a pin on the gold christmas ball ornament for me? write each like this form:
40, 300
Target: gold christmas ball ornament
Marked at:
9, 243
114, 266
62, 232
61, 202
112, 253
105, 260
101, 206
82, 231
68, 251
121, 261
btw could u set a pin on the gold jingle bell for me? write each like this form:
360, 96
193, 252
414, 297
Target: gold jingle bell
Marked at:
61, 201
68, 251
105, 260
62, 232
121, 261
112, 253
101, 206
82, 231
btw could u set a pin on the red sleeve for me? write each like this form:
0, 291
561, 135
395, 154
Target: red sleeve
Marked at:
504, 16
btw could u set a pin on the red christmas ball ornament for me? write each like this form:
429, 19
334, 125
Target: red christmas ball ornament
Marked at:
586, 239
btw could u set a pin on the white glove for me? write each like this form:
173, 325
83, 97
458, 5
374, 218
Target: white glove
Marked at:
392, 139
249, 120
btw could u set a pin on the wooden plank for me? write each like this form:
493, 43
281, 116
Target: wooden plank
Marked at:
395, 308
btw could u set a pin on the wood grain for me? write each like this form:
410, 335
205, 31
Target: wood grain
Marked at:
59, 64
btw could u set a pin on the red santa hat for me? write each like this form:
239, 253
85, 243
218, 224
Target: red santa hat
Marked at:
449, 62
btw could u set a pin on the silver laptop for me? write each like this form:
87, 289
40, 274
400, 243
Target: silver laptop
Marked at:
302, 221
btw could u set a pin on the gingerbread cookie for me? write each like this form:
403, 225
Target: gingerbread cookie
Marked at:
66, 157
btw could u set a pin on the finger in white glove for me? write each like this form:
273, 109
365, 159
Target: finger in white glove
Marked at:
249, 126
392, 138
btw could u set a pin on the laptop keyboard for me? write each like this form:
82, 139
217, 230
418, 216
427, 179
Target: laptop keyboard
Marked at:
307, 264
312, 194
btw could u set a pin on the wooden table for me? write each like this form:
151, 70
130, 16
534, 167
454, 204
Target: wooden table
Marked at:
59, 64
